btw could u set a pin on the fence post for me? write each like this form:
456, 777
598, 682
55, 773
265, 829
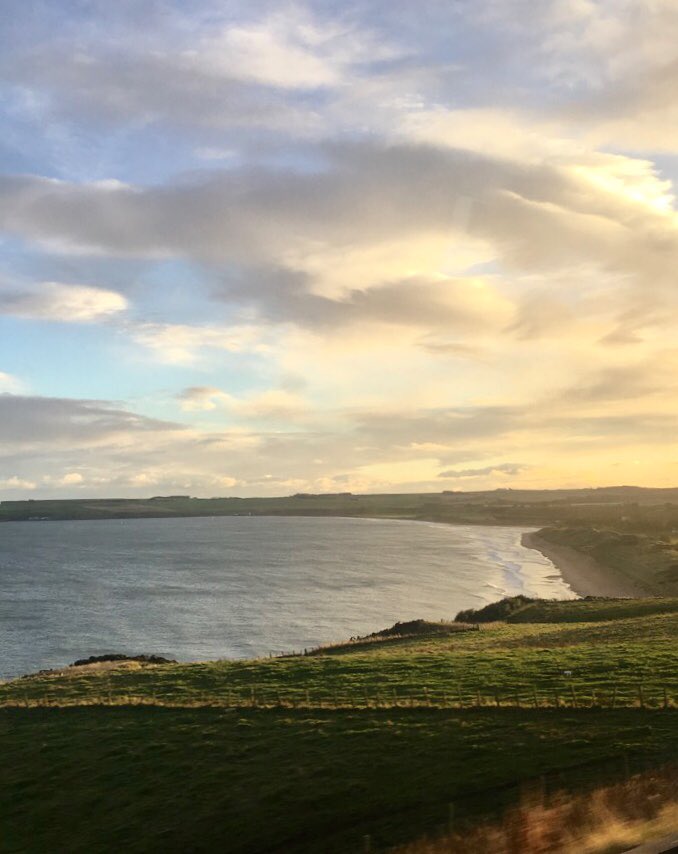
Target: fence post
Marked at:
574, 697
614, 697
641, 698
666, 698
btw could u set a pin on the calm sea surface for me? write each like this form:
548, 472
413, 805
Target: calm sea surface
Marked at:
241, 586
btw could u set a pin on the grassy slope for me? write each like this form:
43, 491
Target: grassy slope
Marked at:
651, 563
501, 658
592, 609
163, 778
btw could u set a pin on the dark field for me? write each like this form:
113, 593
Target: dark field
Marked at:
180, 780
312, 753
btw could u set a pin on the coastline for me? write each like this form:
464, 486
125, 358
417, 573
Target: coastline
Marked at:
585, 575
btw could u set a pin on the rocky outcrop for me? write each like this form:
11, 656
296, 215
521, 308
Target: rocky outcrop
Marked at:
144, 659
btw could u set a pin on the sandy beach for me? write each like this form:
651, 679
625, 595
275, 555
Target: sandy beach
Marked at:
585, 575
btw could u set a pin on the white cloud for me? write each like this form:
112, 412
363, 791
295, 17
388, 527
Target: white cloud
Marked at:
280, 52
56, 301
15, 482
269, 405
463, 265
202, 398
10, 384
183, 344
273, 405
72, 478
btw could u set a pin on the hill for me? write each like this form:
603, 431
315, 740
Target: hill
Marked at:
312, 753
646, 562
623, 508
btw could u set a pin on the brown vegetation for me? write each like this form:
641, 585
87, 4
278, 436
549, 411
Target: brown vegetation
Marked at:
611, 818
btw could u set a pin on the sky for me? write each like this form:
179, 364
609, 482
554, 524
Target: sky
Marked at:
259, 248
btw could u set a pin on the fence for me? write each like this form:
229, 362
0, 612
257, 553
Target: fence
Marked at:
573, 696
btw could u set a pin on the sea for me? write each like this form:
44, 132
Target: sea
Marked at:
242, 586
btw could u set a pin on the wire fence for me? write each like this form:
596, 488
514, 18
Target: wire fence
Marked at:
639, 696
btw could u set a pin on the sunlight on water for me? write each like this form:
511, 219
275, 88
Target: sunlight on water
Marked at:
242, 586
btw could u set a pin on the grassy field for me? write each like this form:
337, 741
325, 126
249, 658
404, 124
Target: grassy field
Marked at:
592, 609
597, 662
183, 780
612, 818
311, 753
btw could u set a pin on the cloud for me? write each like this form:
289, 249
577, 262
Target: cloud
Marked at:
269, 405
202, 398
10, 384
282, 51
503, 468
280, 230
432, 302
182, 344
458, 265
28, 421
119, 452
63, 303
216, 73
15, 482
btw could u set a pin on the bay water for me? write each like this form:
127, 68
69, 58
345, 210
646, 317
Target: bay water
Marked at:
240, 587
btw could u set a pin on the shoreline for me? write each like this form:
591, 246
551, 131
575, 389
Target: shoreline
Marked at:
585, 575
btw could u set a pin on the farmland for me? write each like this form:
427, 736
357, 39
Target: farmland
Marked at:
313, 752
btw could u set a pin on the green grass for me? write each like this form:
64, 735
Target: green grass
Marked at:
332, 747
176, 780
649, 561
507, 660
592, 609
522, 609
